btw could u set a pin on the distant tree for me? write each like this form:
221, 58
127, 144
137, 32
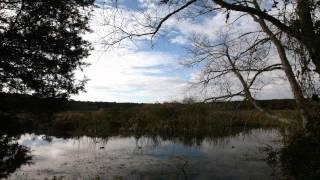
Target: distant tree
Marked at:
189, 100
41, 46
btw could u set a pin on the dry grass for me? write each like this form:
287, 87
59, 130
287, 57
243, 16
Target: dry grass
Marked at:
165, 118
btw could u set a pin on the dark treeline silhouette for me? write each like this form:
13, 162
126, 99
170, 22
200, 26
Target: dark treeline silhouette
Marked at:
14, 102
21, 102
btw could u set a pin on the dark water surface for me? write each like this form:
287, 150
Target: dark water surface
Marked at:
238, 156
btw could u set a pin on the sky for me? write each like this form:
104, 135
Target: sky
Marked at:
146, 71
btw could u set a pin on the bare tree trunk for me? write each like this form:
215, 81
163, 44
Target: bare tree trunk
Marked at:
248, 93
295, 87
310, 39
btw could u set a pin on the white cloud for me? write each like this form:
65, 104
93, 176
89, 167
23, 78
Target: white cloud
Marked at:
130, 73
134, 74
132, 77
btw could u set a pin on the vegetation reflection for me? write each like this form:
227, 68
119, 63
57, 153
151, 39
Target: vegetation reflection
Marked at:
12, 156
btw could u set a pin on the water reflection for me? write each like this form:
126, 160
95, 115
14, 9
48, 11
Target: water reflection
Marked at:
12, 156
299, 159
118, 157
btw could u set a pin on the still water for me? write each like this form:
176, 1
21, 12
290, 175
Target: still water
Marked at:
238, 156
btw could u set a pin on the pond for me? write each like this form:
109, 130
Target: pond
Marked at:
239, 156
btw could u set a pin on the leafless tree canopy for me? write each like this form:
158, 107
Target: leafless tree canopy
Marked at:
236, 64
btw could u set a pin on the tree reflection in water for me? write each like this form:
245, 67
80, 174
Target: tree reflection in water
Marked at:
12, 155
296, 158
299, 159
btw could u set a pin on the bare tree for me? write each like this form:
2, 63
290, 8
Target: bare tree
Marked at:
235, 67
298, 19
295, 86
289, 27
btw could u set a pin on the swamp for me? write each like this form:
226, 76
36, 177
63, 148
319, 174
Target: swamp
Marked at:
82, 140
160, 89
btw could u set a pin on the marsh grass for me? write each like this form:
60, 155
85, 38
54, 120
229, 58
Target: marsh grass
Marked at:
168, 118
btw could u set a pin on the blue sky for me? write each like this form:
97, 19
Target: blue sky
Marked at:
151, 71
